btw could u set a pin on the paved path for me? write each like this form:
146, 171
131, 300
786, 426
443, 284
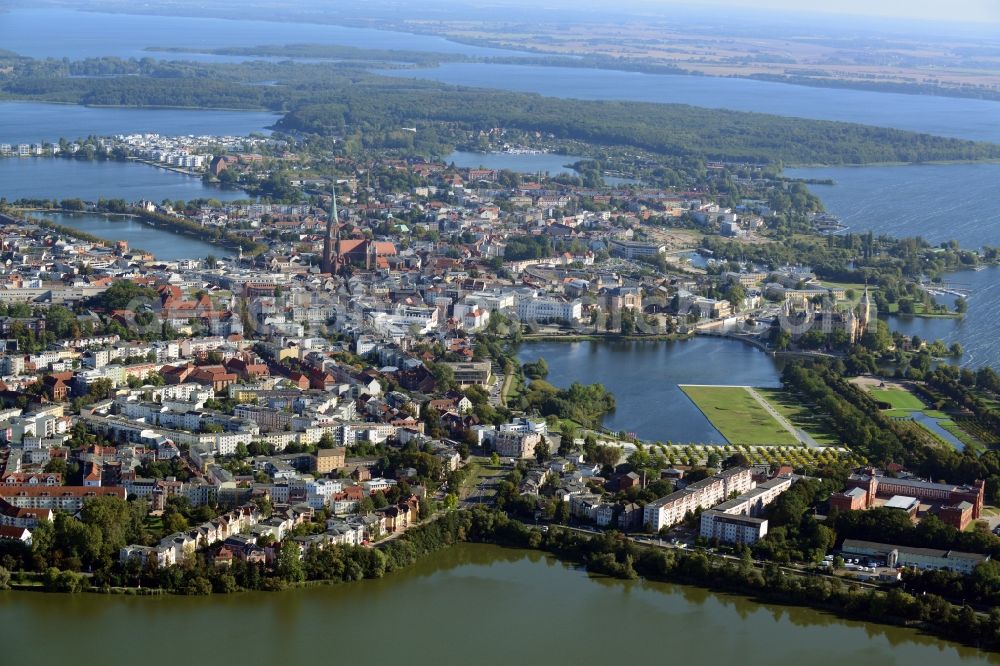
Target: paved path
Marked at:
505, 389
796, 432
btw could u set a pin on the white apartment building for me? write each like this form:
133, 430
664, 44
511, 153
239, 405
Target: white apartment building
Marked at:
738, 520
730, 528
548, 309
632, 249
511, 444
670, 510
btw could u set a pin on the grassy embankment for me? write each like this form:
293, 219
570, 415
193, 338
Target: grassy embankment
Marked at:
738, 416
800, 415
904, 404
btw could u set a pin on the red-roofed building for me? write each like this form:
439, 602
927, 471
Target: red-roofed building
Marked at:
58, 498
14, 516
9, 533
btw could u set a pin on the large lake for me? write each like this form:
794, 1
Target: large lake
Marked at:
65, 33
945, 116
977, 332
644, 378
84, 34
32, 122
58, 178
470, 604
940, 202
164, 244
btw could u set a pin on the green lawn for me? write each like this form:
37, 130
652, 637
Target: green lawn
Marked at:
738, 416
897, 398
972, 443
859, 288
856, 286
919, 311
800, 415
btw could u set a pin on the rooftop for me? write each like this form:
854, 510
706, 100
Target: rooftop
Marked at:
902, 502
856, 545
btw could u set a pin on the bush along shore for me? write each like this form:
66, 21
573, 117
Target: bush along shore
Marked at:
610, 554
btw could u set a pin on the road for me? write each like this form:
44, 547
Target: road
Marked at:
656, 542
498, 389
485, 489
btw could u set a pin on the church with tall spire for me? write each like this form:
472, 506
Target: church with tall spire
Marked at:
331, 241
339, 253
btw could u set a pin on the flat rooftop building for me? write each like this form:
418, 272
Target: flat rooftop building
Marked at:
918, 558
903, 503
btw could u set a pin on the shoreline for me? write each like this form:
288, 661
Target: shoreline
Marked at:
109, 242
605, 337
31, 100
568, 545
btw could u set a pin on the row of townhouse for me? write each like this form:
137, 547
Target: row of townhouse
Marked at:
177, 547
15, 516
32, 479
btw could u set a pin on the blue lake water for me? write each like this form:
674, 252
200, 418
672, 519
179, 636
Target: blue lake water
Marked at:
618, 180
32, 122
64, 33
58, 178
550, 163
527, 163
940, 202
945, 116
165, 245
644, 378
977, 331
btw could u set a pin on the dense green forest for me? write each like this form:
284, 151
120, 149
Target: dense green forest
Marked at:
343, 99
668, 129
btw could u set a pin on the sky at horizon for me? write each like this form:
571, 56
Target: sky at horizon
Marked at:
963, 11
964, 16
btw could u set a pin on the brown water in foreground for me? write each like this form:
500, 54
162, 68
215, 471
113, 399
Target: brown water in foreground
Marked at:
471, 604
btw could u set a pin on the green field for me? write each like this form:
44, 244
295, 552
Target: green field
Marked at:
897, 398
738, 416
920, 311
800, 415
859, 288
906, 405
971, 442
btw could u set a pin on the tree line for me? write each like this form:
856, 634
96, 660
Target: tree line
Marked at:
369, 110
610, 554
858, 420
